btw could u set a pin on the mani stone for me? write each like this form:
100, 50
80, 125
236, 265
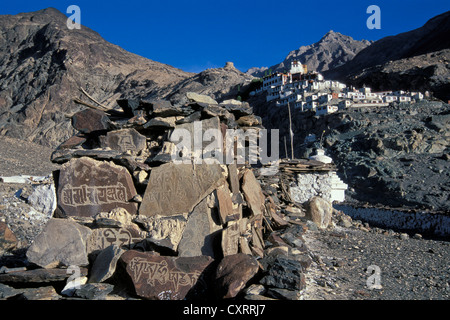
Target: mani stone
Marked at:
176, 189
197, 136
87, 187
201, 233
102, 238
165, 278
124, 140
61, 243
90, 120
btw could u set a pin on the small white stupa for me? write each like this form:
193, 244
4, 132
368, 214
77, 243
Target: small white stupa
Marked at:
320, 156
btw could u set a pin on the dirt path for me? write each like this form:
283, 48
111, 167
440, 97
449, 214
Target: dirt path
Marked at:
408, 269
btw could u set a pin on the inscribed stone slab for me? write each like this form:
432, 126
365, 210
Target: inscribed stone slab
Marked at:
87, 187
176, 189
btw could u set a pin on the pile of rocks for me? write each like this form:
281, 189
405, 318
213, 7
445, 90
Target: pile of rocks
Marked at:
130, 223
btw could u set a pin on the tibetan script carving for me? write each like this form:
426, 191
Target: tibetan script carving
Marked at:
177, 189
160, 272
165, 278
105, 237
87, 187
85, 195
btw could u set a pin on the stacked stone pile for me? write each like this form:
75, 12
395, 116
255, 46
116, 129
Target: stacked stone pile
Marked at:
130, 223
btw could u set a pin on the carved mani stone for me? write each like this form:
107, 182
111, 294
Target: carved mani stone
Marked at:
201, 233
90, 120
124, 140
176, 189
87, 187
164, 278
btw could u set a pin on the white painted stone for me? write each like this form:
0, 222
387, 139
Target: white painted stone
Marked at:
326, 185
320, 156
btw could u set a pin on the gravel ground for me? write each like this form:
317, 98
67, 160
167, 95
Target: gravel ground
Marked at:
19, 157
409, 268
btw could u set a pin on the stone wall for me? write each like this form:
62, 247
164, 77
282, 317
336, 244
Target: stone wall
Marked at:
431, 224
326, 185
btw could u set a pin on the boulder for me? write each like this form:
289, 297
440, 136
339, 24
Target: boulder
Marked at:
129, 106
319, 211
61, 243
87, 187
73, 142
249, 121
165, 278
285, 273
233, 273
43, 199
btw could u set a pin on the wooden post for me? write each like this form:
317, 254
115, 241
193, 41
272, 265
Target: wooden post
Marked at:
291, 132
285, 147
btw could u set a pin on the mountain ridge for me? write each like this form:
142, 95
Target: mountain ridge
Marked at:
43, 66
371, 66
332, 50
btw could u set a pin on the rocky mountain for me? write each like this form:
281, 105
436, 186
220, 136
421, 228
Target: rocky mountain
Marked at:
414, 60
332, 51
43, 66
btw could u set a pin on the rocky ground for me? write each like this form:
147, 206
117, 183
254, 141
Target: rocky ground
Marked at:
410, 268
395, 156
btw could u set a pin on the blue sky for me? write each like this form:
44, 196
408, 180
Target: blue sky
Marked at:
198, 34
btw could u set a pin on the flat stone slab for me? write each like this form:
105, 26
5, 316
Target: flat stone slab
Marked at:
176, 189
39, 276
124, 140
87, 187
253, 193
102, 238
61, 243
90, 120
164, 278
201, 233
